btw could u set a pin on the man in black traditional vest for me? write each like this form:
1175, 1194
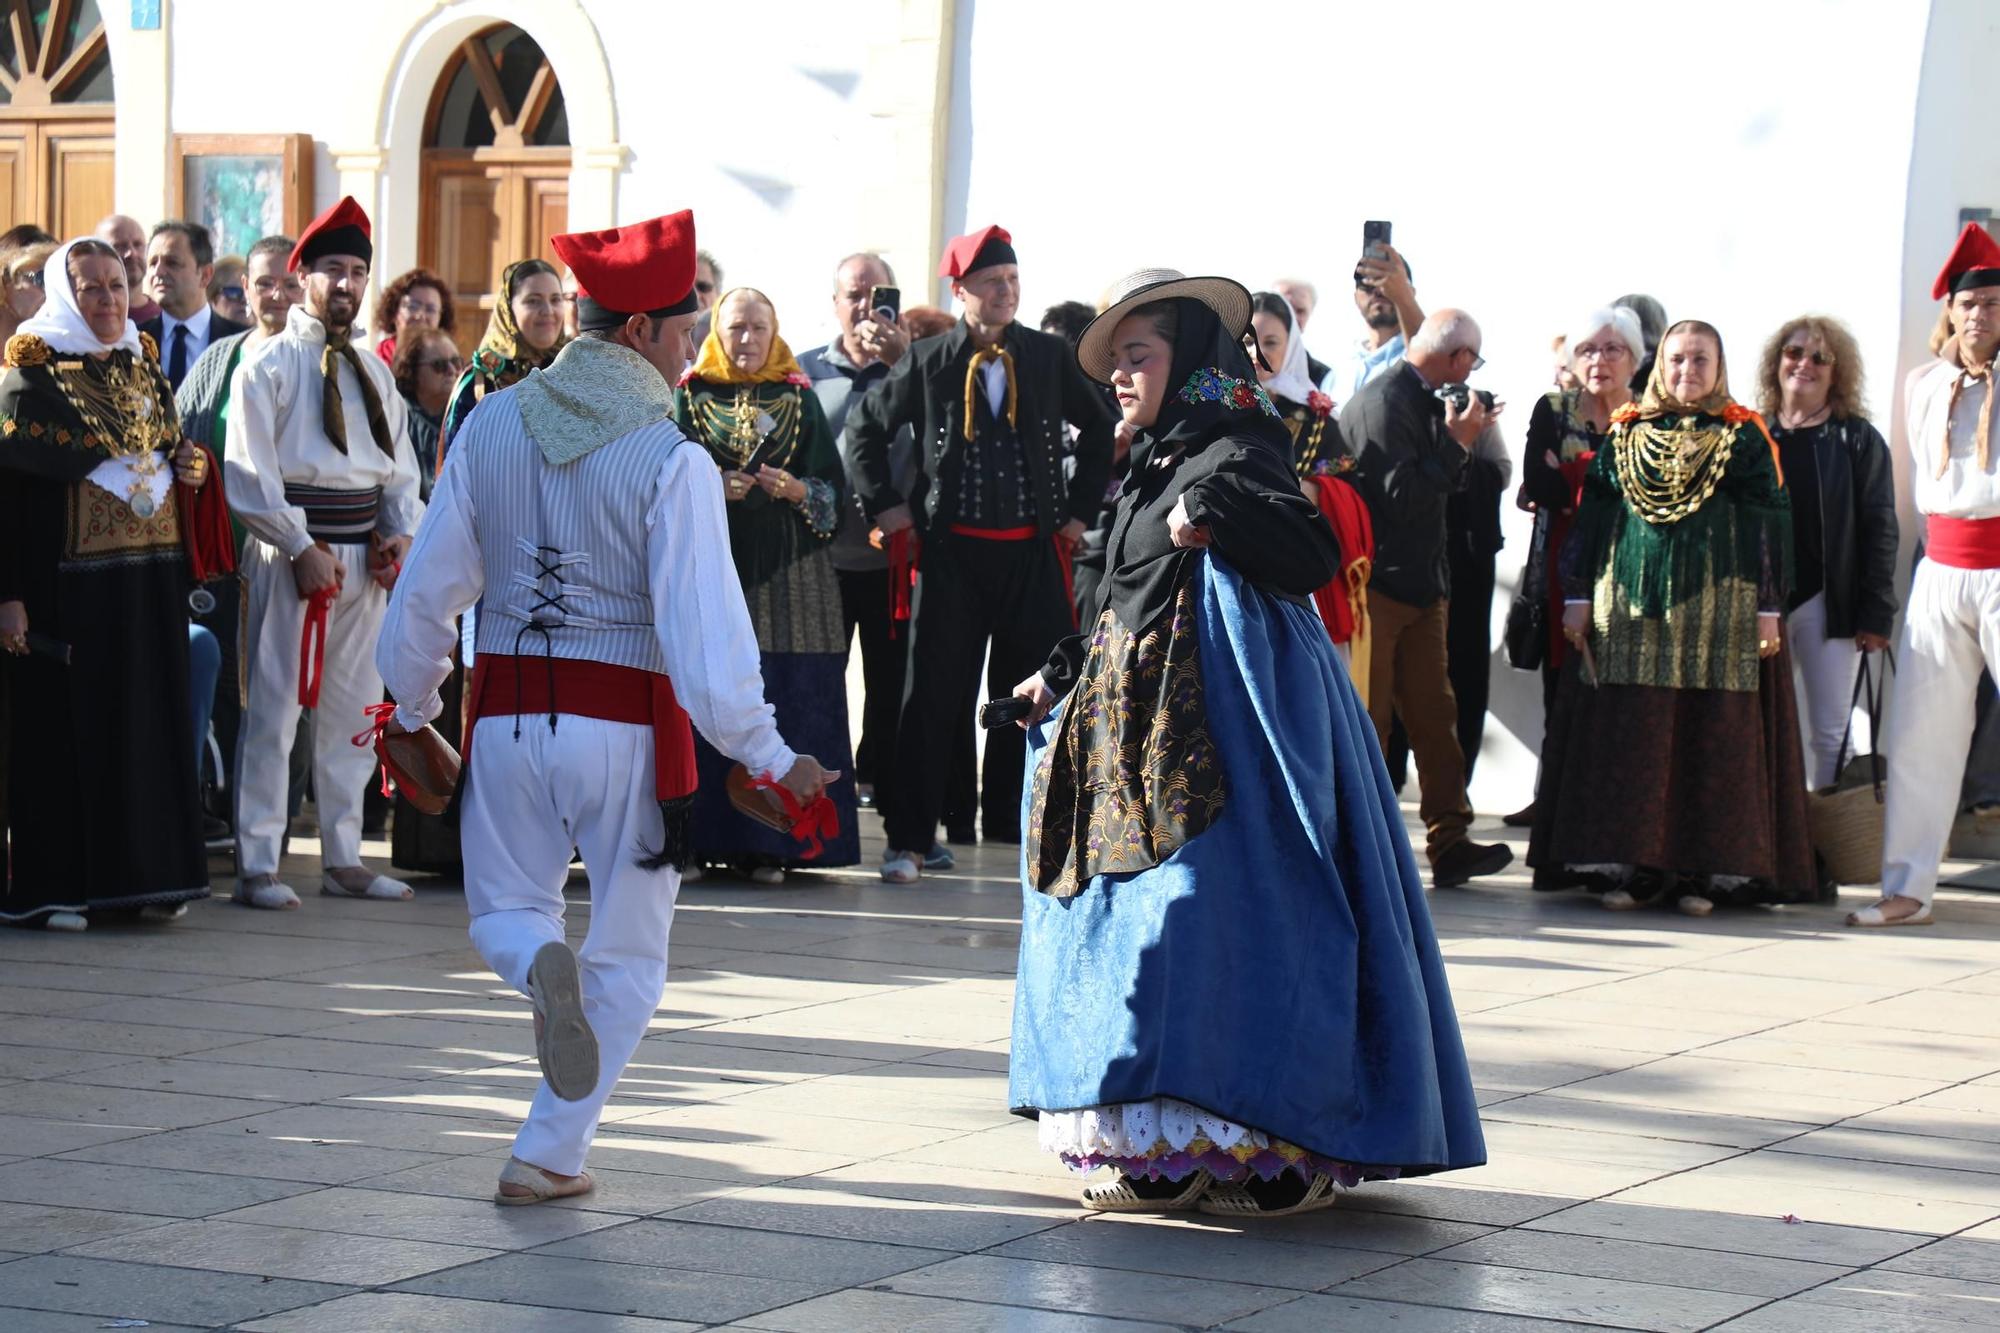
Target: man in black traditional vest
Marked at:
996, 519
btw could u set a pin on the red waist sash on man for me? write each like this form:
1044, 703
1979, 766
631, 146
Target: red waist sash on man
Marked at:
507, 686
1963, 543
1027, 533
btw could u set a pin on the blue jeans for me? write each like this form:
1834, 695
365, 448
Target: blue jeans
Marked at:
204, 671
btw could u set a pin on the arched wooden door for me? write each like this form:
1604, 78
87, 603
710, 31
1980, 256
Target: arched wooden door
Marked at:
495, 169
56, 118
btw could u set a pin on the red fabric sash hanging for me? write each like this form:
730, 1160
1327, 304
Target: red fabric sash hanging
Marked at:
1343, 603
1963, 543
904, 551
312, 645
206, 539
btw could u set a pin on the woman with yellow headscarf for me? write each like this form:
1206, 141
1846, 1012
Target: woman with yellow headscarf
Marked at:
524, 333
748, 403
1673, 771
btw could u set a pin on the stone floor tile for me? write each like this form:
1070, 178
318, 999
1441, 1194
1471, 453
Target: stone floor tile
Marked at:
1847, 1048
242, 1021
1050, 1195
120, 1106
17, 1320
825, 1212
1691, 1082
33, 1136
738, 1163
405, 1313
34, 1228
471, 1000
136, 1189
409, 1130
1643, 1261
1082, 1290
1317, 1314
366, 1212
581, 1284
672, 1243
1899, 1149
1894, 1297
893, 1312
218, 1079
347, 1057
1598, 1147
49, 970
1937, 1011
1932, 1121
1804, 1314
1966, 1256
1766, 1234
628, 1193
1218, 1254
1546, 1295
1011, 1148
738, 1121
111, 1290
274, 1158
1503, 1208
1622, 1118
19, 1062
1766, 1188
230, 1247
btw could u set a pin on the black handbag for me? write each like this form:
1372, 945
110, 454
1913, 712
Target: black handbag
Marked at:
1527, 634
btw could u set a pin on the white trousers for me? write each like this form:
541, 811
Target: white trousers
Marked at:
588, 787
1951, 629
1823, 672
271, 715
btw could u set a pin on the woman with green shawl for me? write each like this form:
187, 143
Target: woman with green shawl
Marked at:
524, 333
1673, 771
750, 405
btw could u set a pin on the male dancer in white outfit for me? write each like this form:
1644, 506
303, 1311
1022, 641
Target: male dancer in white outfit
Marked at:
1952, 626
611, 617
319, 467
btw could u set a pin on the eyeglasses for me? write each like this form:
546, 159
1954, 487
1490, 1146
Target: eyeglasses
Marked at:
444, 365
1477, 359
1608, 352
30, 279
1794, 352
232, 293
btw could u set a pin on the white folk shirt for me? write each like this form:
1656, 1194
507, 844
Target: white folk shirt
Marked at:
1964, 491
699, 617
276, 438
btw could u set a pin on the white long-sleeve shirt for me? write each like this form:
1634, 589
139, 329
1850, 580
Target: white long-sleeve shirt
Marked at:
699, 615
1965, 490
276, 438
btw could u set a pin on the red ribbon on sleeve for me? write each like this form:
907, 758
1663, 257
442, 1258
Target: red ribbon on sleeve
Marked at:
312, 646
809, 823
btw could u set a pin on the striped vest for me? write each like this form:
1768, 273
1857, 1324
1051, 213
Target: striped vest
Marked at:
564, 547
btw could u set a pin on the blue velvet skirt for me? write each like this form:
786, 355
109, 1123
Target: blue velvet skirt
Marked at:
1279, 970
808, 692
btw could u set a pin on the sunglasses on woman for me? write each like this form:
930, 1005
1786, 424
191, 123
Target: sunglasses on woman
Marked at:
1794, 352
443, 365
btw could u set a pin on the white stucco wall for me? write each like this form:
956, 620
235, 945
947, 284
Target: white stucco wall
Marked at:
1742, 162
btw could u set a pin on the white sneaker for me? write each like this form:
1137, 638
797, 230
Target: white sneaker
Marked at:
163, 912
900, 868
67, 921
940, 858
767, 875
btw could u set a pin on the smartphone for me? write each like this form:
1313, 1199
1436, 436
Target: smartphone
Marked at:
999, 712
1375, 239
885, 303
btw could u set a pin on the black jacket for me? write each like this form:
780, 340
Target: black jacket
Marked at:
1406, 468
219, 327
926, 392
1857, 501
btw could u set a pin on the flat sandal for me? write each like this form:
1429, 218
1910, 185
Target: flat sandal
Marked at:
1234, 1201
1120, 1197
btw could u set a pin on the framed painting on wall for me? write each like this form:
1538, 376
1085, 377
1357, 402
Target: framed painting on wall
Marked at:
243, 186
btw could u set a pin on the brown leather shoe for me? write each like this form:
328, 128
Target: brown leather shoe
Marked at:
1522, 818
1469, 860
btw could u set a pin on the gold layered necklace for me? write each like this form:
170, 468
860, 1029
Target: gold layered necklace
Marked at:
739, 428
122, 407
1669, 472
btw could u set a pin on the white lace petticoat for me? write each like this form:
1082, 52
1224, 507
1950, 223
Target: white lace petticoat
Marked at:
1165, 1138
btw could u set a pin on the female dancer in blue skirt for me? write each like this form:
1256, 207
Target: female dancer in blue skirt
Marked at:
1229, 987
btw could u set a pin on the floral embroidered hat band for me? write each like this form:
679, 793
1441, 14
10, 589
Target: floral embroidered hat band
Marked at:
1229, 300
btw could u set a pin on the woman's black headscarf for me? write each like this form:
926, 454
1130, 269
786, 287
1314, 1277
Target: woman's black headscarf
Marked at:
1214, 389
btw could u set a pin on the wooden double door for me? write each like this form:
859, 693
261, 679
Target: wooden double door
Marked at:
483, 210
57, 172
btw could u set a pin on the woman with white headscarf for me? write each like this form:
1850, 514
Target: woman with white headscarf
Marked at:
100, 522
1279, 355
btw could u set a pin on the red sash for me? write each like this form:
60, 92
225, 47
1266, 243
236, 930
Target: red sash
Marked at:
505, 686
1963, 543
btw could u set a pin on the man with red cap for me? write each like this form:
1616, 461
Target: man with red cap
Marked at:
593, 535
996, 518
319, 467
1952, 626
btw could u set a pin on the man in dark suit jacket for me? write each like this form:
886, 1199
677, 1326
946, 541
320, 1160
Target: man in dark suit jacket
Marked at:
997, 519
180, 259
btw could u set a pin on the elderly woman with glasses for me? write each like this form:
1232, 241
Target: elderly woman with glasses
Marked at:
1837, 468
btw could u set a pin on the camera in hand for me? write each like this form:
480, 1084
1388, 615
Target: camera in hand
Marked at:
1460, 396
885, 303
999, 712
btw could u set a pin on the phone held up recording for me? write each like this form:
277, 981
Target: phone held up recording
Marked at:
885, 304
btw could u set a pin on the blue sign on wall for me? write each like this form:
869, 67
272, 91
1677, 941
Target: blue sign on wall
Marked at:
145, 15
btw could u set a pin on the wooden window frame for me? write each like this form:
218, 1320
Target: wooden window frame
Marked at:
294, 150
